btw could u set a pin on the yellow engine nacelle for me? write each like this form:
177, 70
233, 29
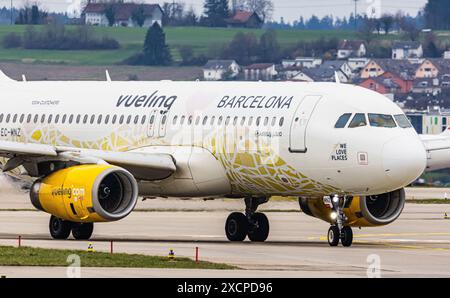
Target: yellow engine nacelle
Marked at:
86, 193
363, 211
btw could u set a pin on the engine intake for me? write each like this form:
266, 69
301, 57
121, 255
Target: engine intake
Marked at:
364, 211
86, 193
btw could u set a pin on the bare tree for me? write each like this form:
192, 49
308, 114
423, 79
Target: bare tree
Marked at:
264, 8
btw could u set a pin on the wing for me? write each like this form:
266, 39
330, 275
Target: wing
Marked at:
438, 151
36, 157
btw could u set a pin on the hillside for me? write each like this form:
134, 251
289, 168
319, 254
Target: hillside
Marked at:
131, 40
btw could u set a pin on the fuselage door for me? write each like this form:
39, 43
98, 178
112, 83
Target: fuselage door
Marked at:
297, 137
152, 124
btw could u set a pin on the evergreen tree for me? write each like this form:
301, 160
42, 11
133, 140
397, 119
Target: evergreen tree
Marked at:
436, 14
269, 47
138, 16
156, 51
216, 12
110, 14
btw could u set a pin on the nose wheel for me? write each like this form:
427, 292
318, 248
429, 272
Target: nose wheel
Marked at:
253, 224
339, 231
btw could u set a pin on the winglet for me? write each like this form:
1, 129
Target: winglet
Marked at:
4, 78
336, 77
108, 77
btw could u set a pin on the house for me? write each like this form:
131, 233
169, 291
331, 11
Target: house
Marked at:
357, 64
318, 74
95, 14
351, 48
244, 19
381, 85
407, 49
260, 72
447, 54
216, 70
427, 85
344, 71
432, 68
377, 67
307, 62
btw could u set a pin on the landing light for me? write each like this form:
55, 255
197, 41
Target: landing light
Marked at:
333, 215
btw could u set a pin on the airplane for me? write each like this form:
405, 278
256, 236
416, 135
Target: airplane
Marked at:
90, 149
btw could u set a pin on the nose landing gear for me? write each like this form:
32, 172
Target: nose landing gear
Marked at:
339, 231
253, 224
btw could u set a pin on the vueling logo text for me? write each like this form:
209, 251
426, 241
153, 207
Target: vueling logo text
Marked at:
147, 101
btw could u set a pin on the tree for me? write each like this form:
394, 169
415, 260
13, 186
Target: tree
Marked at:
156, 51
410, 28
110, 13
243, 48
367, 28
436, 14
263, 8
387, 22
431, 49
216, 12
269, 47
35, 15
138, 15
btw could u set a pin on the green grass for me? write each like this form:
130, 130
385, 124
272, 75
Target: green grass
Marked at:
28, 256
131, 40
428, 201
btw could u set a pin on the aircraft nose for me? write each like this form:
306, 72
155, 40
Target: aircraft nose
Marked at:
404, 160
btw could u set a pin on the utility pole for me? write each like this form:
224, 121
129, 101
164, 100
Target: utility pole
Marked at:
356, 13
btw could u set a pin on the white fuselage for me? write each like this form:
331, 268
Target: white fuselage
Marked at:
228, 138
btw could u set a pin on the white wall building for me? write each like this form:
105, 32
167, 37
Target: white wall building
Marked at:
216, 70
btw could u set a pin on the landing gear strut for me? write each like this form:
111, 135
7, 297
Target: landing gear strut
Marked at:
253, 224
338, 230
60, 229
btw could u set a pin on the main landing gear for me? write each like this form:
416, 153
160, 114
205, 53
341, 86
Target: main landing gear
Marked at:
252, 224
338, 230
60, 229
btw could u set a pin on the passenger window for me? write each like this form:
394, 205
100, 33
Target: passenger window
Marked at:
152, 119
85, 119
92, 119
197, 121
243, 121
78, 119
56, 119
175, 119
250, 121
220, 120
358, 121
36, 117
143, 119
343, 120
281, 121
64, 118
403, 121
227, 121
213, 119
182, 120
274, 121
99, 120
129, 119
136, 119
1, 117
258, 121
205, 120
22, 117
164, 119
266, 121
7, 118
28, 118
50, 119
15, 118
380, 120
107, 119
235, 121
191, 118
114, 119
43, 119
121, 119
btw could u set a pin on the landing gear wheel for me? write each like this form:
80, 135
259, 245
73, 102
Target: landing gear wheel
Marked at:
333, 236
347, 236
236, 227
82, 231
260, 231
59, 228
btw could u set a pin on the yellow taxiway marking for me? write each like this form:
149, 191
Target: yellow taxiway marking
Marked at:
385, 235
391, 244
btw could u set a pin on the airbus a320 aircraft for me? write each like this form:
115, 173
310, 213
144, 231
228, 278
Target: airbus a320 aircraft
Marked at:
91, 148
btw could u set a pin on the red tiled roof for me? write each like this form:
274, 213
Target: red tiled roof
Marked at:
241, 17
124, 11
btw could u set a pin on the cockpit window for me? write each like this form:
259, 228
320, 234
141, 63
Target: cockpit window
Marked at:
342, 121
358, 121
402, 121
380, 120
